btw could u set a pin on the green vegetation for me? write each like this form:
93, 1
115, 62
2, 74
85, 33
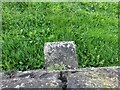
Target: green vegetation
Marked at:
57, 67
27, 26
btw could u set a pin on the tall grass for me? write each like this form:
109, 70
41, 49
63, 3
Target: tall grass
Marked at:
27, 26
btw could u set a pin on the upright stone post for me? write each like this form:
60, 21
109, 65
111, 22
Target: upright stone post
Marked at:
60, 55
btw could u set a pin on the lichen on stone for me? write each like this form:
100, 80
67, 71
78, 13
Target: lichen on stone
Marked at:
57, 52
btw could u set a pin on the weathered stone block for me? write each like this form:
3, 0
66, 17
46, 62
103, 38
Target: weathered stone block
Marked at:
60, 55
101, 77
31, 79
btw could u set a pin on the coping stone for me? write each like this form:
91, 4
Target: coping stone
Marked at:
101, 77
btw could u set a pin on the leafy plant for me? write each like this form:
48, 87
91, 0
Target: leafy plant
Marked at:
60, 66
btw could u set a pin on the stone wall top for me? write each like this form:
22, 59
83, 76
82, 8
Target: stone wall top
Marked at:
101, 77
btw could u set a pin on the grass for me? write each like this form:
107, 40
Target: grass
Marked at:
27, 26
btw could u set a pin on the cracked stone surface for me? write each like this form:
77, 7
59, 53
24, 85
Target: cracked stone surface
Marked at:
102, 77
60, 55
31, 79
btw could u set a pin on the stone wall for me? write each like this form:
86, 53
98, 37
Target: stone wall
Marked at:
61, 72
102, 77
